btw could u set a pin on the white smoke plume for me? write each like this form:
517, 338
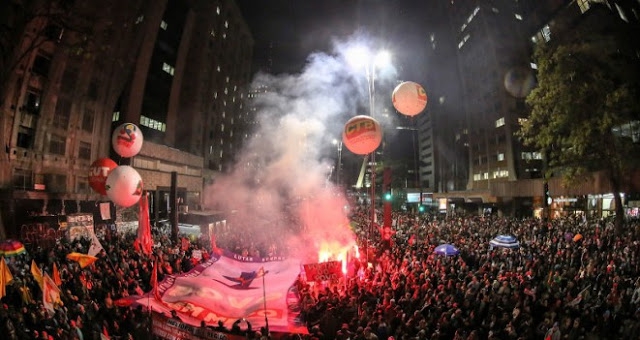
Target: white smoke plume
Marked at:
279, 188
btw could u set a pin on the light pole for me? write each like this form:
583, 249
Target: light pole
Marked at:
338, 143
362, 57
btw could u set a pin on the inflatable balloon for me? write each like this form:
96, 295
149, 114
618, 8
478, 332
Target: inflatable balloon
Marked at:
124, 186
409, 98
98, 172
362, 135
127, 140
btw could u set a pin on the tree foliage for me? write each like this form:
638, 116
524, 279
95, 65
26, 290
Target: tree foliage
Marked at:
586, 98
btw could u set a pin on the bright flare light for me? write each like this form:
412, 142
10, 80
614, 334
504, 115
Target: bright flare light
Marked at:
334, 251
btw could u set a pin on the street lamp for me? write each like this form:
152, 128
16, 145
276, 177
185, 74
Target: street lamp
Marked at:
362, 57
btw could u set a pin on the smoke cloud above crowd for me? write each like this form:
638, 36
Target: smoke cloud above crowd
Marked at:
280, 186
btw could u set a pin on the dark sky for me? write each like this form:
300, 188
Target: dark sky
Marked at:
295, 28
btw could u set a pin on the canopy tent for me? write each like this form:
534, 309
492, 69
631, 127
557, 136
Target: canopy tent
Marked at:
505, 241
446, 250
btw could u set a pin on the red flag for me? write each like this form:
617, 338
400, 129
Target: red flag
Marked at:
154, 281
144, 225
56, 275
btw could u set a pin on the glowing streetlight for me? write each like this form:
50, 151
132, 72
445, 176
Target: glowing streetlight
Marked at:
362, 57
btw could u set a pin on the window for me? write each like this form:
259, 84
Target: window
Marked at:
63, 113
56, 182
139, 19
168, 68
584, 5
518, 16
500, 157
41, 65
57, 145
82, 184
115, 116
87, 120
163, 25
500, 122
22, 179
218, 10
546, 33
477, 177
84, 151
25, 137
92, 91
69, 79
32, 100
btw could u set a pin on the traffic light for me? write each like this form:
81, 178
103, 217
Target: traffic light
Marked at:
421, 208
547, 195
387, 196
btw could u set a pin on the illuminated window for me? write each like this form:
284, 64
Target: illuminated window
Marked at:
163, 25
584, 5
500, 157
477, 177
485, 175
226, 24
546, 33
218, 10
139, 19
168, 68
518, 16
500, 122
115, 116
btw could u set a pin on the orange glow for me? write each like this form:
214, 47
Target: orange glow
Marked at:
334, 251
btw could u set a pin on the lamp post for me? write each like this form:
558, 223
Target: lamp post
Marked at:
338, 144
362, 57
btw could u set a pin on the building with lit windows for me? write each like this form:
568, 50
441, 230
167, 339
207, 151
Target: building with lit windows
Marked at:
177, 69
496, 75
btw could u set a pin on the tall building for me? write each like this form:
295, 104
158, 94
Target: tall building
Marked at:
175, 68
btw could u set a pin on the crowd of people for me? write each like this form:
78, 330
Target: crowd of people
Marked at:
554, 286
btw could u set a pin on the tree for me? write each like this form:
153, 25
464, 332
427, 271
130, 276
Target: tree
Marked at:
587, 93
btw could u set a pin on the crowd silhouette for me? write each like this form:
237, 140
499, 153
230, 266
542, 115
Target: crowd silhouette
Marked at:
554, 286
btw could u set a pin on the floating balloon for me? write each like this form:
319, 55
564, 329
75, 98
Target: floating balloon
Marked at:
409, 98
98, 172
124, 186
127, 140
362, 135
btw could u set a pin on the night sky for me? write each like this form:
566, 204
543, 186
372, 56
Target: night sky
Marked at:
295, 29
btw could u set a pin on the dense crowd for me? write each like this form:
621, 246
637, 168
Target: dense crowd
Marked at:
555, 286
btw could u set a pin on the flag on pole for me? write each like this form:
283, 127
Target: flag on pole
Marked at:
144, 226
5, 277
50, 294
56, 275
154, 281
82, 259
37, 273
96, 247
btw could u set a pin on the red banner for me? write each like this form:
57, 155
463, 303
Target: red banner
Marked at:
324, 271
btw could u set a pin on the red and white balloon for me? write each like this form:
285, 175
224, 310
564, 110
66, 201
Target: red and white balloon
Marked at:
127, 140
409, 98
362, 135
98, 172
124, 186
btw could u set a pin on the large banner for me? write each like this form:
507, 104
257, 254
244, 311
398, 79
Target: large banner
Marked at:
229, 287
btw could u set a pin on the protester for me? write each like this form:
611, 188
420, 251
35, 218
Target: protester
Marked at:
552, 287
